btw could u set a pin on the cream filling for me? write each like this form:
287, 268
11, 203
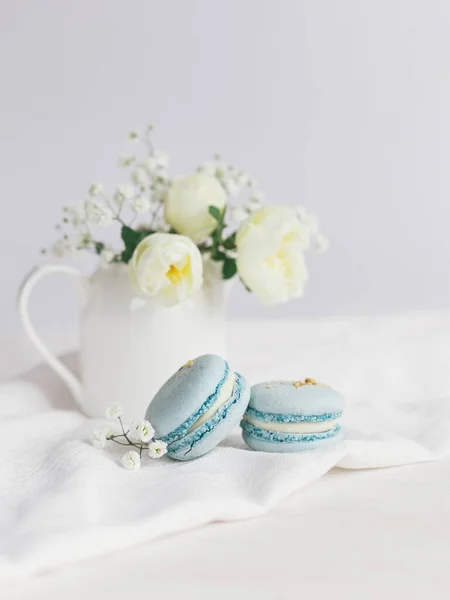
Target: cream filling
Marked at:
305, 427
224, 395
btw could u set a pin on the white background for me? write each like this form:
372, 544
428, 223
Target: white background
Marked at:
342, 106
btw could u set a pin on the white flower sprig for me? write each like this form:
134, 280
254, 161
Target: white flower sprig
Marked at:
136, 204
237, 184
139, 435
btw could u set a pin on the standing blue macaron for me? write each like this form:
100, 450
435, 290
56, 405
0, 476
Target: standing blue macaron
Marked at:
198, 406
291, 416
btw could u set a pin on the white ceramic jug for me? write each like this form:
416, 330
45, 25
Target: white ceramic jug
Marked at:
128, 349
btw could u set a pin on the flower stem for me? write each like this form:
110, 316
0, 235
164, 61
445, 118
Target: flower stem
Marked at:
124, 434
120, 220
121, 424
127, 443
121, 443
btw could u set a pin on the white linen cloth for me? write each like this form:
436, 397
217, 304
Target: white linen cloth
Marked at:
62, 500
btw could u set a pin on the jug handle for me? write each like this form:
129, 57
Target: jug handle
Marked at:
81, 281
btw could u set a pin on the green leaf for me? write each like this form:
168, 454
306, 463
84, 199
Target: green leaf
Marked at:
229, 268
99, 247
216, 236
131, 238
215, 213
218, 255
230, 242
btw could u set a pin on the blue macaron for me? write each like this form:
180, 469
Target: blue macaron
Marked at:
198, 406
292, 416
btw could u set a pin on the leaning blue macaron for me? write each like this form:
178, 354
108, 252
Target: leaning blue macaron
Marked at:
292, 416
198, 406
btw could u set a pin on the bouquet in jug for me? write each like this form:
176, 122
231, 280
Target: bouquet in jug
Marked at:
173, 229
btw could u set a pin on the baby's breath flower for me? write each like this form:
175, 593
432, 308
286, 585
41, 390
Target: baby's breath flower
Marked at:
162, 158
149, 164
119, 199
126, 190
95, 189
159, 191
221, 169
158, 161
100, 438
125, 161
231, 253
66, 248
131, 461
253, 204
259, 196
83, 240
141, 204
122, 193
114, 411
77, 213
134, 135
208, 167
98, 213
231, 187
321, 242
59, 249
238, 213
157, 449
139, 177
106, 256
159, 224
141, 431
242, 178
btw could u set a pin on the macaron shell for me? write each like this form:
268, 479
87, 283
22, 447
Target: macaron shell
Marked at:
289, 398
286, 447
185, 392
219, 432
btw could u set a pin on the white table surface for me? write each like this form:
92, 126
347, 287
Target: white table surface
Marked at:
353, 534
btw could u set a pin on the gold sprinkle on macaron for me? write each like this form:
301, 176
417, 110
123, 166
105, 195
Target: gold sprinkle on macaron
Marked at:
308, 381
188, 364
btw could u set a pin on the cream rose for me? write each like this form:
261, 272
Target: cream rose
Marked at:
270, 260
166, 266
187, 202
